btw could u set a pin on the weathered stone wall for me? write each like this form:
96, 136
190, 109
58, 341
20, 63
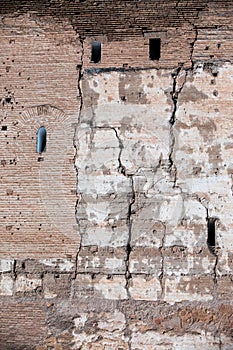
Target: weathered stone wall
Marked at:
104, 235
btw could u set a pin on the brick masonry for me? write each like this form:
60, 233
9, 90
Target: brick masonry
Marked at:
104, 235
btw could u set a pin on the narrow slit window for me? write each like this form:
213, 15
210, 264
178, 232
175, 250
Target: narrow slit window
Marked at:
211, 234
41, 140
96, 52
154, 49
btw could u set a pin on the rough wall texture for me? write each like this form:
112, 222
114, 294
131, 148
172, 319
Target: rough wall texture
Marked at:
104, 235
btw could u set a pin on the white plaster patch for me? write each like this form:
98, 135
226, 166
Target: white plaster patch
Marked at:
182, 288
6, 265
106, 236
24, 284
194, 210
109, 331
113, 263
142, 288
114, 323
97, 184
171, 209
151, 340
113, 288
6, 285
183, 236
79, 322
61, 264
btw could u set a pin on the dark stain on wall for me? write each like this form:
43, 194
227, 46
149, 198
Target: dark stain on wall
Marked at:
131, 88
101, 17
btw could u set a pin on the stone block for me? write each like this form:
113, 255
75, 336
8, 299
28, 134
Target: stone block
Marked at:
25, 285
145, 260
56, 285
143, 287
6, 285
95, 259
188, 288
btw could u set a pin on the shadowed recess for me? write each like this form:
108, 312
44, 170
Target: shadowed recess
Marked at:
211, 232
41, 140
154, 49
96, 52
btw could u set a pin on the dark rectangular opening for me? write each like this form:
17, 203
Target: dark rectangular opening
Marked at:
4, 127
96, 52
154, 49
211, 232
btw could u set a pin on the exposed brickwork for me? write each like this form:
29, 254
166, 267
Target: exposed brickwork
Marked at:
104, 236
34, 61
24, 324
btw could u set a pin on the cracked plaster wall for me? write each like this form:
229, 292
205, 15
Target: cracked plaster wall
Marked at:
152, 163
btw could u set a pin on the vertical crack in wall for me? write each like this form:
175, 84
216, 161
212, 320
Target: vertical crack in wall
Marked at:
80, 75
128, 320
128, 251
215, 280
181, 12
42, 274
80, 95
161, 251
92, 127
174, 95
213, 251
121, 170
128, 246
220, 342
192, 45
14, 269
121, 167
